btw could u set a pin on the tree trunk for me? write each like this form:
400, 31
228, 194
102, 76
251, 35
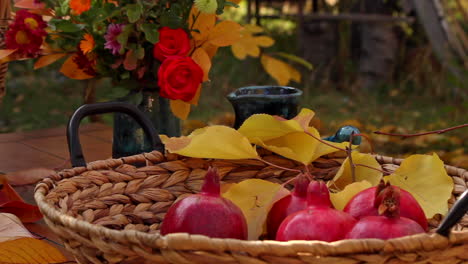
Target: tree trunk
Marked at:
378, 47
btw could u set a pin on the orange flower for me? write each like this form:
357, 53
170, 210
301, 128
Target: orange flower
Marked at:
87, 44
80, 6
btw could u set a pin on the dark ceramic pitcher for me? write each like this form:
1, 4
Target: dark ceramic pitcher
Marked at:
273, 100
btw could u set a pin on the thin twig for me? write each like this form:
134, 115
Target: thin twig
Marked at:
370, 167
308, 174
290, 180
279, 167
349, 151
423, 133
368, 140
323, 141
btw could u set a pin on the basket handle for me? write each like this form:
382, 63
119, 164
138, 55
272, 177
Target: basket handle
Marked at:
74, 146
458, 210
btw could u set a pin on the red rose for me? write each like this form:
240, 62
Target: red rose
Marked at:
179, 78
172, 42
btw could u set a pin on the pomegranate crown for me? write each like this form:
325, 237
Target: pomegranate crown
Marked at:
300, 187
211, 185
389, 204
378, 191
318, 194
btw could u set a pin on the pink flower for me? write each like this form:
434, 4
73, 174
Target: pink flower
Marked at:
113, 31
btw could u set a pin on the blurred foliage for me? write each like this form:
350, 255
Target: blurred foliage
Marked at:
420, 98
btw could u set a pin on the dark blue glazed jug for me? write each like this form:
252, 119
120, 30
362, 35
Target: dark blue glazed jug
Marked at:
273, 100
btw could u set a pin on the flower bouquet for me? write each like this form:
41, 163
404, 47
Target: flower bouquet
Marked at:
162, 44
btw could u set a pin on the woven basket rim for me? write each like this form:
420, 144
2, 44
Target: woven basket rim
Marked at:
184, 241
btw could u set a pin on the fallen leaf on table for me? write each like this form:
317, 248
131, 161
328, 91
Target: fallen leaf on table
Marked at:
29, 176
255, 198
425, 177
11, 227
28, 250
340, 199
11, 202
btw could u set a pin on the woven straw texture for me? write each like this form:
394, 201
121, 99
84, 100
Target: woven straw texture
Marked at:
110, 212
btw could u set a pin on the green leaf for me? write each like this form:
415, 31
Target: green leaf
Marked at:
171, 20
220, 8
134, 12
64, 7
176, 8
122, 38
229, 3
151, 32
65, 25
295, 58
140, 52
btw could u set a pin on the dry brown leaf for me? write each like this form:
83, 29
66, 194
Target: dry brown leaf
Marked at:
29, 176
12, 228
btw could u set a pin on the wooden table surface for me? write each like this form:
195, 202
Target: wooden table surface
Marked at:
48, 149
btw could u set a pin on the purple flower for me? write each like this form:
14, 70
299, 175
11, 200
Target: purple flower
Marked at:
113, 31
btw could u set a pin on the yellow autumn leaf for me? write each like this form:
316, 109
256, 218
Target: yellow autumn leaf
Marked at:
48, 59
215, 142
344, 175
195, 99
224, 33
340, 199
71, 70
201, 25
262, 127
255, 198
29, 251
180, 108
248, 44
296, 146
294, 74
211, 50
276, 69
264, 41
253, 28
425, 177
287, 137
200, 56
282, 72
323, 149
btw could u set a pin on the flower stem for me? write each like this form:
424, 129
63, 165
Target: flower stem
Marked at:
423, 133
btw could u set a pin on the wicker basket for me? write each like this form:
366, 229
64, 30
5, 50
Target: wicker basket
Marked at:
110, 211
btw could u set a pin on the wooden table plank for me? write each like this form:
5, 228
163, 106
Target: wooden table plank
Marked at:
49, 132
93, 149
48, 147
16, 156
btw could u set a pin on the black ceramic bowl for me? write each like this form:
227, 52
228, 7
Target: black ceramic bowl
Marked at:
273, 100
